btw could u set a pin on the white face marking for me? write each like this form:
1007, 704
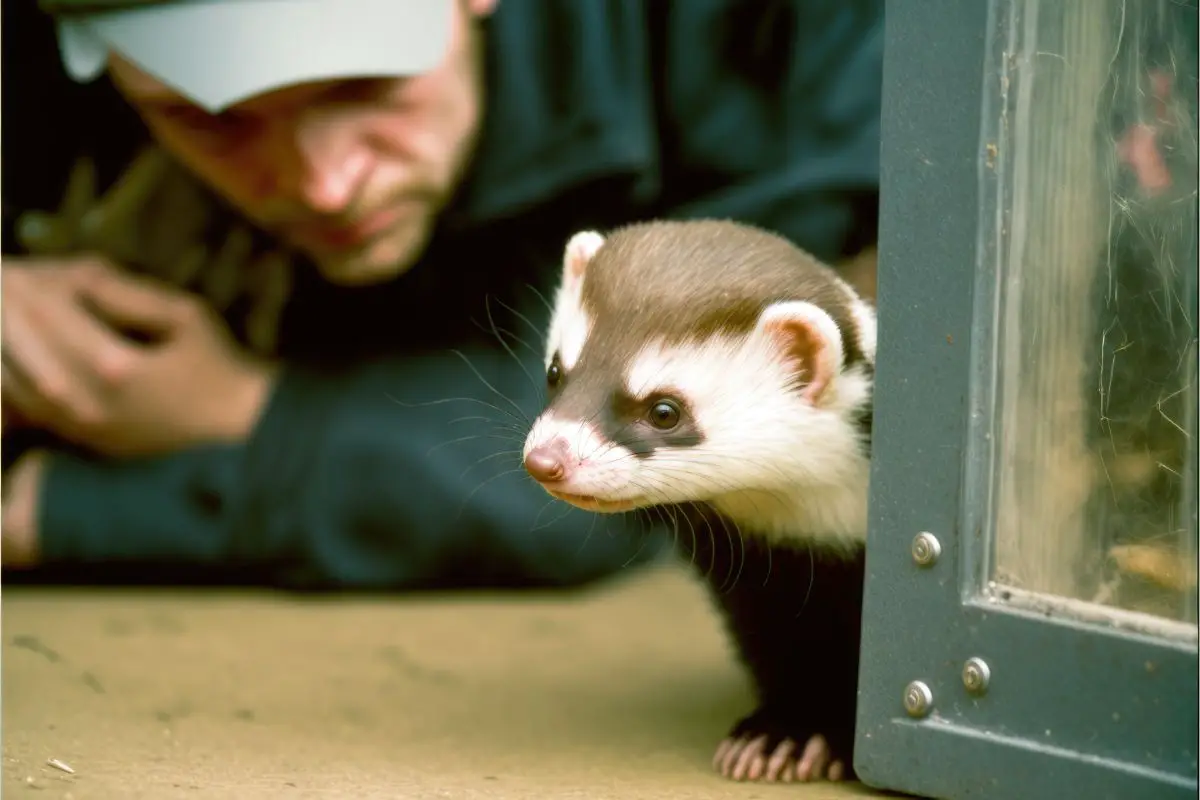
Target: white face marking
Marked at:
569, 329
771, 461
569, 324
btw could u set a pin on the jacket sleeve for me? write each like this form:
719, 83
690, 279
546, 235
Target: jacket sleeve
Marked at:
772, 116
399, 473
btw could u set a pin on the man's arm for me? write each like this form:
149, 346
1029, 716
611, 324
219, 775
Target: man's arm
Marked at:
401, 473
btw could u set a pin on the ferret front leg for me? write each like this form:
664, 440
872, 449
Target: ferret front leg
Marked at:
799, 636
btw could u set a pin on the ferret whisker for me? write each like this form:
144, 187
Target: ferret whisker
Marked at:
499, 331
532, 327
495, 330
519, 414
689, 459
648, 518
636, 555
483, 483
485, 459
469, 438
695, 544
736, 533
587, 537
519, 421
812, 580
563, 513
472, 418
550, 503
508, 428
666, 512
662, 515
537, 293
535, 385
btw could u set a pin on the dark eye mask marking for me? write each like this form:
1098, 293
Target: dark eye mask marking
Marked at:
638, 424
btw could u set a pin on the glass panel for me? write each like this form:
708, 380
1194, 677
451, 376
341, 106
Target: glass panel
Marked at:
1090, 203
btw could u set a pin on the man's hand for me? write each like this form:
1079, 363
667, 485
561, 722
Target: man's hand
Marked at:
158, 218
19, 518
122, 364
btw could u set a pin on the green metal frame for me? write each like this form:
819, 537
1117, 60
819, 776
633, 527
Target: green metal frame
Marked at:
1071, 710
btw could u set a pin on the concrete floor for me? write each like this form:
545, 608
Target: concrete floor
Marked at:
619, 692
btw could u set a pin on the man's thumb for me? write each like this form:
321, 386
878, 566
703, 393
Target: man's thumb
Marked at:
137, 304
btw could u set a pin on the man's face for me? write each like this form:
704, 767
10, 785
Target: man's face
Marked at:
351, 172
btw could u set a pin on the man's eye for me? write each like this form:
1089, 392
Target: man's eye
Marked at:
196, 119
362, 90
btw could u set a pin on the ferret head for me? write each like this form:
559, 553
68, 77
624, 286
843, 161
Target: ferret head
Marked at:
702, 361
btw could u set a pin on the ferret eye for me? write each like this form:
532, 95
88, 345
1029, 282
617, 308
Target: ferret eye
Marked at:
554, 374
664, 415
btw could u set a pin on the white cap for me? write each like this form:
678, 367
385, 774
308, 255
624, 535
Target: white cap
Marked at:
220, 52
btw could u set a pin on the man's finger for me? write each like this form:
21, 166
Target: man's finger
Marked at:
79, 196
223, 277
33, 365
136, 303
183, 269
20, 397
270, 289
64, 354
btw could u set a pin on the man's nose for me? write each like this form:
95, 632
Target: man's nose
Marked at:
332, 163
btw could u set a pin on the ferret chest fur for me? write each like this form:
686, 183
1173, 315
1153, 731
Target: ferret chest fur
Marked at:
832, 515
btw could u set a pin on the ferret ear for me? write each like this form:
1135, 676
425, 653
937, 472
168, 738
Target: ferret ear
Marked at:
581, 248
808, 340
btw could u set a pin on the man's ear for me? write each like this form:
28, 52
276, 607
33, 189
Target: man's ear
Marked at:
808, 341
581, 249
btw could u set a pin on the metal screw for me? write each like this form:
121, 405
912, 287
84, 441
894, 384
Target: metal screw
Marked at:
975, 676
926, 549
918, 699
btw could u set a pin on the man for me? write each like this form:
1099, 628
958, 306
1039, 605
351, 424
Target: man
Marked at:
426, 161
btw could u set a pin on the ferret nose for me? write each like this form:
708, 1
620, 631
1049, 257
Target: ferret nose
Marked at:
547, 462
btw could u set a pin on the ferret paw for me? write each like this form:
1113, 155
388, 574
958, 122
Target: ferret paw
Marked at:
760, 749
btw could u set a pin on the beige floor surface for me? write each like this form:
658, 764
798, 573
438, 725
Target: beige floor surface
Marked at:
620, 692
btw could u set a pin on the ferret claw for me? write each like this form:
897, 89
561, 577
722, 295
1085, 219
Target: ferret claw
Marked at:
757, 752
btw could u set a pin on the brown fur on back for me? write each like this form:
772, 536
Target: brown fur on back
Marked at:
687, 280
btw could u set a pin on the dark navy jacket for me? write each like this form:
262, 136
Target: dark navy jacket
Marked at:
388, 456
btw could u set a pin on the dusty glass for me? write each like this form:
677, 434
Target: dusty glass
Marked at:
1086, 483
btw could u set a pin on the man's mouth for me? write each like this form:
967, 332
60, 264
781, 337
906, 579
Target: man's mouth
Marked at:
351, 233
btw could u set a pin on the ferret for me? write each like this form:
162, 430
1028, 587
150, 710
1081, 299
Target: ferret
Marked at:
716, 374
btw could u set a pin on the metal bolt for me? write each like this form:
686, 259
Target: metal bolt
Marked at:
918, 699
975, 676
926, 549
